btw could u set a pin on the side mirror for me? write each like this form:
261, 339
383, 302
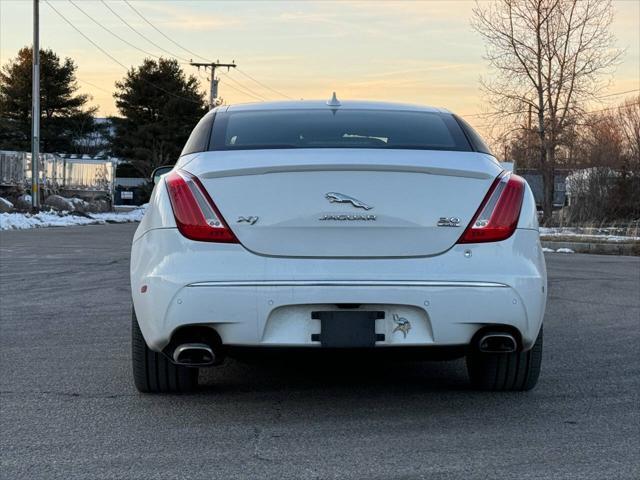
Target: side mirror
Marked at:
508, 166
159, 172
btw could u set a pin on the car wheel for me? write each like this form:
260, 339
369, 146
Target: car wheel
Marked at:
153, 372
506, 371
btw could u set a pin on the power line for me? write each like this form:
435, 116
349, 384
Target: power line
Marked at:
620, 93
263, 84
213, 87
611, 108
238, 89
230, 86
241, 88
584, 113
246, 90
85, 36
163, 34
109, 31
112, 57
140, 34
94, 85
522, 111
254, 93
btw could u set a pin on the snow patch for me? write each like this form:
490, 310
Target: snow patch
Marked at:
548, 250
20, 221
578, 234
564, 250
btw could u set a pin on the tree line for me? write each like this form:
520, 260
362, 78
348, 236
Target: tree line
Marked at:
550, 60
609, 138
605, 148
158, 105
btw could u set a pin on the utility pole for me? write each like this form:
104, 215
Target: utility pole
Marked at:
528, 133
35, 108
213, 85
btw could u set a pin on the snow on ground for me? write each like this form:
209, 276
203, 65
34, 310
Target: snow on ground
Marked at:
578, 235
19, 221
560, 250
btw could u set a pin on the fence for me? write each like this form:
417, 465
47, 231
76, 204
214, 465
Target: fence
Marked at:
58, 173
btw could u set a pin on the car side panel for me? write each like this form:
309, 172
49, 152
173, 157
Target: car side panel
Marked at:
159, 213
528, 212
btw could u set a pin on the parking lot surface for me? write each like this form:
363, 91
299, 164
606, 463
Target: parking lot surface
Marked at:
68, 408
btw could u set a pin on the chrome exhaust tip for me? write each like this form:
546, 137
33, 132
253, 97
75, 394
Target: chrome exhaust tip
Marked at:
497, 343
194, 355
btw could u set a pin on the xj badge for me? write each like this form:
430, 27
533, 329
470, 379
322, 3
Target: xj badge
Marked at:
249, 220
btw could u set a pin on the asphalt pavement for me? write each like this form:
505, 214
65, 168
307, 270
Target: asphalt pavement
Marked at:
68, 407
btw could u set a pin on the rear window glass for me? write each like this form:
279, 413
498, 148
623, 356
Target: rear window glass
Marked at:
199, 139
474, 138
335, 128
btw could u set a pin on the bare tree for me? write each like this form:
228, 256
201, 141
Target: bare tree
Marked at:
629, 118
549, 57
601, 142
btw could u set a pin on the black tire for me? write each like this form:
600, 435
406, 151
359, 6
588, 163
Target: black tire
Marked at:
153, 372
506, 371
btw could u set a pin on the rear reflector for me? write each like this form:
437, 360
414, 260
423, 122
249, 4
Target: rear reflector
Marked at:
196, 215
498, 215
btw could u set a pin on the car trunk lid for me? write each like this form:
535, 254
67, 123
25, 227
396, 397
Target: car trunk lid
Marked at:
346, 202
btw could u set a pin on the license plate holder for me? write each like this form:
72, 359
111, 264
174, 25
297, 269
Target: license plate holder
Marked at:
347, 329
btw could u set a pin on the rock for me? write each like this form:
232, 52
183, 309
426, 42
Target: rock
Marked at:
5, 205
59, 203
98, 206
23, 202
79, 205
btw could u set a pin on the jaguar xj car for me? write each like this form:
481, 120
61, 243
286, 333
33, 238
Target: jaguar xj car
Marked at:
330, 227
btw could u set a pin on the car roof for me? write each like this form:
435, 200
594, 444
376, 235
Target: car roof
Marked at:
319, 104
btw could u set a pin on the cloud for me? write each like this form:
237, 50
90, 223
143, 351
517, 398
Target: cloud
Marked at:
192, 22
431, 68
184, 18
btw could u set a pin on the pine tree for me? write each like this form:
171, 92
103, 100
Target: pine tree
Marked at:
159, 106
65, 117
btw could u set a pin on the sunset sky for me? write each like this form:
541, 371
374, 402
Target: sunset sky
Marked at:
419, 52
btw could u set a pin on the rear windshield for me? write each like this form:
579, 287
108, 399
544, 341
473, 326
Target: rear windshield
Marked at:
335, 128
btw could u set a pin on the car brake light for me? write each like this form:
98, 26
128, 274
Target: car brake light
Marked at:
498, 215
196, 215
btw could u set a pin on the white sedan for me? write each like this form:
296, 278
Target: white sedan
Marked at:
329, 228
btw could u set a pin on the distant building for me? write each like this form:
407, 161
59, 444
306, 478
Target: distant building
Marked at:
130, 188
581, 183
534, 178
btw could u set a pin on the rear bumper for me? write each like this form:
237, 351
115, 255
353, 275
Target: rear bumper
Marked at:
258, 301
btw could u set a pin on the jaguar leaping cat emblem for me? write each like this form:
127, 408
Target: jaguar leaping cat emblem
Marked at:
402, 325
335, 197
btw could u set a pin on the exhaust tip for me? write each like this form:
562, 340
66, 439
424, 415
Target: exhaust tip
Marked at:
497, 343
194, 355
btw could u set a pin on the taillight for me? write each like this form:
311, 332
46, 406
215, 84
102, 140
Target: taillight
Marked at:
196, 215
497, 217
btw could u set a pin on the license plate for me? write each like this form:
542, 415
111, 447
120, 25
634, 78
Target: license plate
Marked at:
345, 329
